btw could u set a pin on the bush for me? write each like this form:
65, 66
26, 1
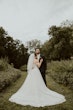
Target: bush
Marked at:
8, 74
62, 72
23, 68
3, 64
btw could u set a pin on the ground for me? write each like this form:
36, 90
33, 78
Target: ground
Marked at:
7, 105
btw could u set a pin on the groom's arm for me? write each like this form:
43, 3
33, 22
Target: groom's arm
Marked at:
44, 62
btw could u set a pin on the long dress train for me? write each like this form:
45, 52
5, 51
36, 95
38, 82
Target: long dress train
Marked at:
35, 93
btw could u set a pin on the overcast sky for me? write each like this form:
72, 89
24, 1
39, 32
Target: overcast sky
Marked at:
30, 19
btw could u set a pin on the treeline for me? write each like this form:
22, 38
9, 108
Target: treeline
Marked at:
60, 45
13, 49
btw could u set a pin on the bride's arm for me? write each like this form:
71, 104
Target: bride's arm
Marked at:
39, 63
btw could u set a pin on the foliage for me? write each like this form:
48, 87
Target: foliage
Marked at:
23, 68
60, 45
7, 74
13, 49
62, 72
4, 63
31, 45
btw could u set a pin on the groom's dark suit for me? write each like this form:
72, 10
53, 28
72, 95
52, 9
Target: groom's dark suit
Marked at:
43, 68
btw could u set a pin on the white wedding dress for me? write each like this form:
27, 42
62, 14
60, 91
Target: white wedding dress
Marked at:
34, 91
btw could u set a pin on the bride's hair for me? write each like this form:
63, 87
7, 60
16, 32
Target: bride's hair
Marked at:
35, 55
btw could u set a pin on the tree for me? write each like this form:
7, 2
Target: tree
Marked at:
13, 49
31, 45
2, 42
60, 45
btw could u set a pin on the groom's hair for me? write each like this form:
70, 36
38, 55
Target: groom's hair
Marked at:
37, 48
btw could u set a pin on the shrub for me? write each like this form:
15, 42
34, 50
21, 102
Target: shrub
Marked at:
62, 72
23, 68
3, 64
8, 74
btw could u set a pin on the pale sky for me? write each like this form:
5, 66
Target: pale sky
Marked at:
30, 19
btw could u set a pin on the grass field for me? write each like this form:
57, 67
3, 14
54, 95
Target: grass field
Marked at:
6, 105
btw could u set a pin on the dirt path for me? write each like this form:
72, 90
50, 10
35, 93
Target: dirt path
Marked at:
6, 105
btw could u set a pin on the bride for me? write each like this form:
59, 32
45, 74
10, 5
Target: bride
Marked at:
34, 91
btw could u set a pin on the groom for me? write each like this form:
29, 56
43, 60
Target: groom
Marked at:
43, 66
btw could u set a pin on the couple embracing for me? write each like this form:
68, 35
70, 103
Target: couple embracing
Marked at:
34, 90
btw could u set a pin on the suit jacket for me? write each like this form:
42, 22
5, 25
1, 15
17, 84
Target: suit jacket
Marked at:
43, 66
